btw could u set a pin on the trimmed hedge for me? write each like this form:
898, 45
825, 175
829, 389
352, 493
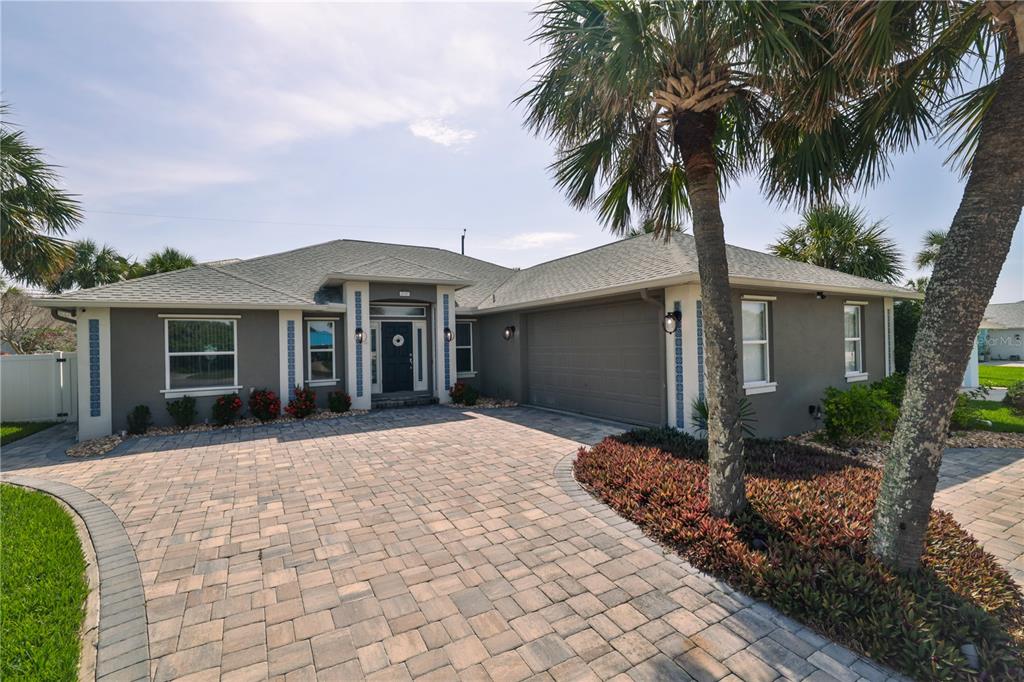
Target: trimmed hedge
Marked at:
803, 546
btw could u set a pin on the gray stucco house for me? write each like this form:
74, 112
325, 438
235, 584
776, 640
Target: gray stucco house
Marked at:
1002, 330
612, 332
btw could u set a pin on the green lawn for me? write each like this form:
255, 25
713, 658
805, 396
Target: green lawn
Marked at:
42, 588
12, 431
1001, 416
999, 375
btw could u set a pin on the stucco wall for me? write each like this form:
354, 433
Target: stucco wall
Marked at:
385, 291
1002, 343
137, 360
806, 347
501, 363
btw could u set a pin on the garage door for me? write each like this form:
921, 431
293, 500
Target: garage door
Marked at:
604, 361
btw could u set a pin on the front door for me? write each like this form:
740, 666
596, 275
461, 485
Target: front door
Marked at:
396, 356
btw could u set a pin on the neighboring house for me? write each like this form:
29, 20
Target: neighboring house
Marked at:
585, 333
1002, 331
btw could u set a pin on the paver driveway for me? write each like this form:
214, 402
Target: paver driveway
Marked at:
429, 542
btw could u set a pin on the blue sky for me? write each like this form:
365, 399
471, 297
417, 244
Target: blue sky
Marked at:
287, 125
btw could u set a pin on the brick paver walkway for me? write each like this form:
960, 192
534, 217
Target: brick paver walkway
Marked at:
428, 543
984, 490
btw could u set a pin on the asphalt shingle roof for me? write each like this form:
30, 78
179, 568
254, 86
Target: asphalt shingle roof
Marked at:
1004, 316
294, 277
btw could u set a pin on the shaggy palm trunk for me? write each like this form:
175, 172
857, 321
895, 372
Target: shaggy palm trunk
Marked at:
693, 136
962, 282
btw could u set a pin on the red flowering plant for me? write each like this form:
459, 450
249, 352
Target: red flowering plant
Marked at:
264, 404
303, 404
226, 408
463, 394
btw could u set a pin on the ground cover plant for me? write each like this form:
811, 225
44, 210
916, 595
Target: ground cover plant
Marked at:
42, 588
999, 375
12, 431
803, 546
1003, 417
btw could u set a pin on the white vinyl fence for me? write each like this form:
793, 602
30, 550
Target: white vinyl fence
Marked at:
41, 387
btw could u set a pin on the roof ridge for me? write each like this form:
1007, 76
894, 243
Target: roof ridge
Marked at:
256, 283
579, 253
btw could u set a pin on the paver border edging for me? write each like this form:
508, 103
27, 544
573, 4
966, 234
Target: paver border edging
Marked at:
566, 478
122, 651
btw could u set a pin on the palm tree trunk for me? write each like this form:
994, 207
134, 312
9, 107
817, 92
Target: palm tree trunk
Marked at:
962, 282
693, 136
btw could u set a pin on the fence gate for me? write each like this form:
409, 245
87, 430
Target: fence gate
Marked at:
41, 387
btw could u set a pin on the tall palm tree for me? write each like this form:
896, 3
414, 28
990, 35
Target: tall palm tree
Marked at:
837, 236
167, 260
653, 108
91, 266
931, 244
34, 212
917, 63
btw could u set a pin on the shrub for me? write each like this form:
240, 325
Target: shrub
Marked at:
339, 401
860, 413
699, 417
463, 394
183, 410
226, 409
303, 404
1015, 397
892, 387
139, 419
264, 404
803, 545
966, 413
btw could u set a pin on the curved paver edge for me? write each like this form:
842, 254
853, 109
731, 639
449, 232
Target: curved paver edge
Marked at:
566, 478
122, 651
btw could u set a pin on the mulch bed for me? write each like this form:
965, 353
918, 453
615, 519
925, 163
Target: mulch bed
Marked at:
803, 547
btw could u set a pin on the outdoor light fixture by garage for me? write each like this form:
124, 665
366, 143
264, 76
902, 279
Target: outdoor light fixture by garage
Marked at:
360, 335
508, 332
820, 295
448, 336
672, 320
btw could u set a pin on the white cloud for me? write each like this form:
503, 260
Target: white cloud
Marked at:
534, 240
436, 131
150, 174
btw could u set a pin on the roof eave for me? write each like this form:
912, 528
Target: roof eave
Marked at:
68, 303
337, 277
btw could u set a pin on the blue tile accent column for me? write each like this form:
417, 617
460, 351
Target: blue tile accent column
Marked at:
94, 368
447, 350
291, 359
678, 342
359, 346
700, 350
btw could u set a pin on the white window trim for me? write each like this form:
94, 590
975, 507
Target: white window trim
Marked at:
334, 354
394, 306
419, 326
460, 372
756, 387
858, 374
758, 297
203, 390
767, 383
187, 316
375, 386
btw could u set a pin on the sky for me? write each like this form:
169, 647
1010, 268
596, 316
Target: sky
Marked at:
231, 130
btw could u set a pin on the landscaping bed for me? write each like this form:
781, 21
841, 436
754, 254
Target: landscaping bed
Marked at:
12, 431
100, 446
802, 546
43, 588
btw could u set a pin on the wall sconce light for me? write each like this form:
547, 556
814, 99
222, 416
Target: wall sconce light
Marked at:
820, 295
508, 332
448, 335
360, 335
671, 321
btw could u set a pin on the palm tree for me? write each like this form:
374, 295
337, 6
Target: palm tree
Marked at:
34, 212
653, 109
930, 247
91, 266
917, 65
837, 236
161, 261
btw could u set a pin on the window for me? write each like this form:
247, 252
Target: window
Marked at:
464, 347
320, 339
755, 342
853, 341
397, 311
200, 354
